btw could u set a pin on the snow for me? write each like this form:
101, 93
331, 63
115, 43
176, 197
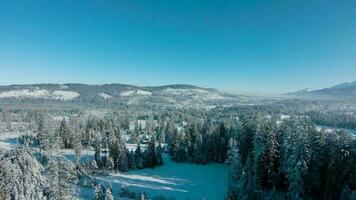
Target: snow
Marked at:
132, 147
64, 95
329, 129
184, 91
105, 96
85, 154
24, 93
174, 180
9, 139
141, 123
132, 125
283, 117
38, 93
60, 118
135, 93
194, 93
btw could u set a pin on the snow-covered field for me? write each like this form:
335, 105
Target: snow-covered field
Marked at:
105, 96
172, 180
194, 93
135, 93
38, 93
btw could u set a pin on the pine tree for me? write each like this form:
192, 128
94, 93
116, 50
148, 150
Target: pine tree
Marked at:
97, 148
61, 179
65, 134
345, 193
341, 164
42, 133
131, 160
235, 173
159, 154
150, 154
108, 194
296, 165
21, 176
318, 163
138, 157
77, 146
118, 153
223, 143
99, 192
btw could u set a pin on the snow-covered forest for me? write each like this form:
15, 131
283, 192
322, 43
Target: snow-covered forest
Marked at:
177, 100
266, 151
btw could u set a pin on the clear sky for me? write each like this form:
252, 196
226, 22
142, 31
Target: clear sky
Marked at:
241, 46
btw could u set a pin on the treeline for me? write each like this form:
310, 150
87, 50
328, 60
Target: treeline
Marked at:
333, 119
292, 161
199, 143
102, 136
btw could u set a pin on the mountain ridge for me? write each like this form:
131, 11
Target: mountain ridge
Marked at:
342, 91
177, 95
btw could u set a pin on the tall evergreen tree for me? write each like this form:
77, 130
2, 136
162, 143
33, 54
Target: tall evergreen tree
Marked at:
61, 179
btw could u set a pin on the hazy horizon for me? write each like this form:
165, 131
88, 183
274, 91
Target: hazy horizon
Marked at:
241, 47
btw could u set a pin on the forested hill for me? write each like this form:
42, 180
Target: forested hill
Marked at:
178, 95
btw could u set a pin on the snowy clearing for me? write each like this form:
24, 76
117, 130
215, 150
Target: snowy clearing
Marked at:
42, 94
105, 96
135, 93
184, 91
195, 93
64, 95
173, 180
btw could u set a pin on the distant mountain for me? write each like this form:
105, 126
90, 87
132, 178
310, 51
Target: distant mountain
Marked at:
178, 95
344, 91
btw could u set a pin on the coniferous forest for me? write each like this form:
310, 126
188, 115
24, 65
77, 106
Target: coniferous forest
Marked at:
177, 100
268, 155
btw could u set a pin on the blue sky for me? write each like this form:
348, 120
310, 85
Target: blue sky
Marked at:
240, 46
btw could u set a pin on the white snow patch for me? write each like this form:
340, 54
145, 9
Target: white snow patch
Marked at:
64, 95
37, 93
135, 93
178, 180
105, 96
60, 118
194, 92
283, 117
24, 93
184, 91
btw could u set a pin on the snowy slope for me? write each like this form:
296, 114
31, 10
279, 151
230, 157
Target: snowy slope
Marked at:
135, 93
105, 96
344, 91
40, 94
178, 96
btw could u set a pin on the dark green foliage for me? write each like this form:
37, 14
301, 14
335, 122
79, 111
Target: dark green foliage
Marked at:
292, 159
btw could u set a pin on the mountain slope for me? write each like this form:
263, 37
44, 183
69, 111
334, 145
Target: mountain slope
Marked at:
344, 91
178, 95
